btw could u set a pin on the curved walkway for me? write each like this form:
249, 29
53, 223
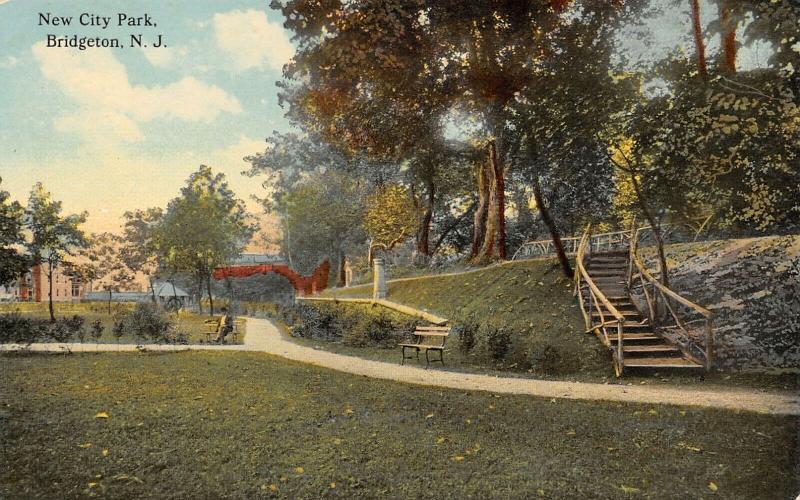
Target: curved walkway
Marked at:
264, 336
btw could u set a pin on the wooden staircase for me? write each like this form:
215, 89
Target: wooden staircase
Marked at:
642, 346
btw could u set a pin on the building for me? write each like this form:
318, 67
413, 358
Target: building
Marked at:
34, 286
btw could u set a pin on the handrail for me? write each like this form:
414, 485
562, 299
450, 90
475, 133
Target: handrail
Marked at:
596, 296
646, 278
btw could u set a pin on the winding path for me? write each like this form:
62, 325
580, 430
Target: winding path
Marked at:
264, 336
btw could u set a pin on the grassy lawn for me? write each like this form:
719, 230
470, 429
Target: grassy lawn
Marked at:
185, 321
247, 425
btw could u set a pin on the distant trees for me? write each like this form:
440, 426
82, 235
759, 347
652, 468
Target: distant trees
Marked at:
104, 262
203, 228
13, 263
54, 237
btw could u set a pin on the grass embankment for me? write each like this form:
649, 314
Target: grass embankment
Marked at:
185, 321
530, 298
247, 425
535, 301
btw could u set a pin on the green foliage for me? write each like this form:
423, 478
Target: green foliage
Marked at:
353, 326
146, 322
390, 216
12, 262
203, 228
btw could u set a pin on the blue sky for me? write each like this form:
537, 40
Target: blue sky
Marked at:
108, 130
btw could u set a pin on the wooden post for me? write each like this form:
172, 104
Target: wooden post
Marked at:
709, 343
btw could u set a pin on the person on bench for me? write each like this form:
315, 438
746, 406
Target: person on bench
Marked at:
225, 326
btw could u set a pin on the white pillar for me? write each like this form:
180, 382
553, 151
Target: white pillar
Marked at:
379, 288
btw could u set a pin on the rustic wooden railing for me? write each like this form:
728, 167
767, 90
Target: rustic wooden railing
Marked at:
605, 241
674, 320
596, 298
597, 242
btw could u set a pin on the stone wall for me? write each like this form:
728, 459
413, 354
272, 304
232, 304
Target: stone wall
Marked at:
753, 287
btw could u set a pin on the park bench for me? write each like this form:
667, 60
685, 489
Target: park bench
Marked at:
427, 338
213, 326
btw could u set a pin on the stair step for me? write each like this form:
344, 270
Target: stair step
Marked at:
660, 363
622, 274
648, 337
626, 314
659, 348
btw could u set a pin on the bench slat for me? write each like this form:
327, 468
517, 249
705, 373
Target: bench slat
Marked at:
435, 328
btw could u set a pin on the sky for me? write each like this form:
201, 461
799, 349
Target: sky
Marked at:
108, 130
113, 129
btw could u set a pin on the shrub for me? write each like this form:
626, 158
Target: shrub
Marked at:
97, 330
146, 321
498, 341
75, 326
466, 330
16, 328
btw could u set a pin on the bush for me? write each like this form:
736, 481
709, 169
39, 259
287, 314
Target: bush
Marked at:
97, 330
146, 321
75, 327
466, 330
16, 328
358, 326
498, 341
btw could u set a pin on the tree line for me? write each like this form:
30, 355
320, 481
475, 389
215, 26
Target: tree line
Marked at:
500, 122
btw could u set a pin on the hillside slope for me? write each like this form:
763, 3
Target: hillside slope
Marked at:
753, 287
530, 298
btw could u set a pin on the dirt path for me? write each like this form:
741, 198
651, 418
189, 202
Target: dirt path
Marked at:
264, 336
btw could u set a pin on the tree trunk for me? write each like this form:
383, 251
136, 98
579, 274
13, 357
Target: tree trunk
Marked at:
500, 181
644, 207
152, 290
479, 226
424, 232
728, 36
443, 234
698, 39
551, 226
109, 301
342, 271
50, 291
490, 233
210, 296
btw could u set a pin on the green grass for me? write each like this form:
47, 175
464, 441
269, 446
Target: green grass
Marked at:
185, 321
240, 425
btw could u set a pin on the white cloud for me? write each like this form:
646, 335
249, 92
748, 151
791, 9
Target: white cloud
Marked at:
252, 40
96, 80
158, 56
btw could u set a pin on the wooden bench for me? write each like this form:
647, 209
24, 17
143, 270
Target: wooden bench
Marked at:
427, 338
213, 327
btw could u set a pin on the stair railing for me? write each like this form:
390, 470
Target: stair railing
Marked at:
596, 298
659, 294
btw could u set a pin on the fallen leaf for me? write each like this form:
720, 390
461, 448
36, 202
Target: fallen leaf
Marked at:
101, 414
571, 432
333, 485
712, 486
94, 485
652, 412
540, 492
299, 470
440, 440
85, 445
337, 441
429, 415
630, 489
457, 458
105, 452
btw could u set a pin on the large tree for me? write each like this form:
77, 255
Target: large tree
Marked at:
204, 228
104, 264
54, 237
140, 249
13, 264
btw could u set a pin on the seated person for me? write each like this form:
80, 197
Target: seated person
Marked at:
225, 325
